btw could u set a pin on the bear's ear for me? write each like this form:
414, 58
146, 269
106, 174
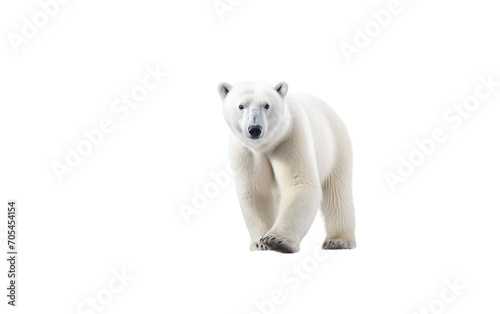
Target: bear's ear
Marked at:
223, 89
282, 88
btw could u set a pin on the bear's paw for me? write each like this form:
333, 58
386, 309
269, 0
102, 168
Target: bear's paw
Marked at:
337, 244
279, 244
257, 246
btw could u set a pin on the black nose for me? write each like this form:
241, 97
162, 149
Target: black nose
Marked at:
255, 130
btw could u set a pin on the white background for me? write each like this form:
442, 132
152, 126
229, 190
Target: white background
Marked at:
120, 207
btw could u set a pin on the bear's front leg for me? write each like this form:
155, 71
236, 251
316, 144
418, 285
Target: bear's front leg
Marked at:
300, 191
259, 214
256, 189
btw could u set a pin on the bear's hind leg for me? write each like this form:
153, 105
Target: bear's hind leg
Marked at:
338, 211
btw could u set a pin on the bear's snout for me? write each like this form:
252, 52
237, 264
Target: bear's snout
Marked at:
255, 131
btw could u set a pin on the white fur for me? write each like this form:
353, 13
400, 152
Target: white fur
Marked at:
303, 161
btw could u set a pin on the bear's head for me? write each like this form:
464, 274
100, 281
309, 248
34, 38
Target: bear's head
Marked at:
254, 111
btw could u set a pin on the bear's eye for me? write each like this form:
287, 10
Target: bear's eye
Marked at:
241, 107
266, 106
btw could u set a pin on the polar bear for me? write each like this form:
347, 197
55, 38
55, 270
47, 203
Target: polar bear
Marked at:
290, 155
